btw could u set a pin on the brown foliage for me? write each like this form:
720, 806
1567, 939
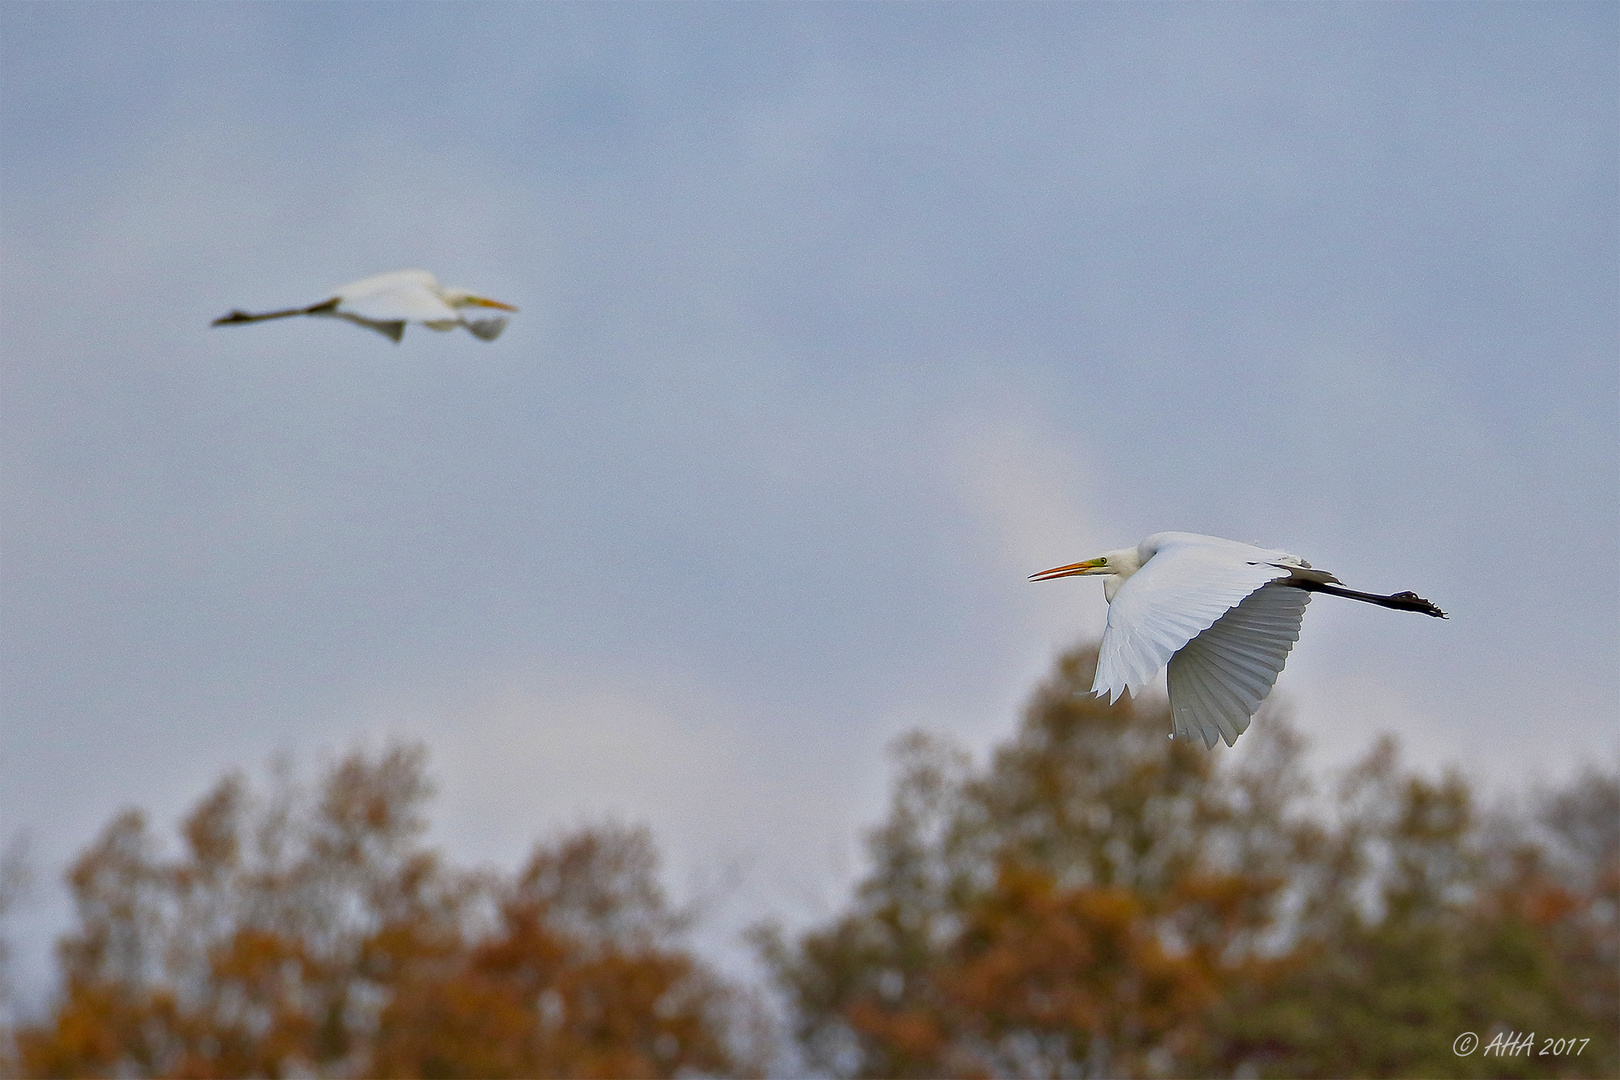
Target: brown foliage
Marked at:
576, 981
1041, 976
1101, 901
315, 935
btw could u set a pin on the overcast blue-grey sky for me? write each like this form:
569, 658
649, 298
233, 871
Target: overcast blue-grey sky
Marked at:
837, 322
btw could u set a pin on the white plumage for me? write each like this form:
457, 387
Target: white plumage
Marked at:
1219, 678
386, 302
1222, 616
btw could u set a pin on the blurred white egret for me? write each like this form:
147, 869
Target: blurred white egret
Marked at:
386, 302
1221, 614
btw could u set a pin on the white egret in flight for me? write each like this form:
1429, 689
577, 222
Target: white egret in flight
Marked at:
386, 302
1222, 615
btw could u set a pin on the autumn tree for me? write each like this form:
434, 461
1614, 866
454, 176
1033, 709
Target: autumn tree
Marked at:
1423, 918
312, 932
1099, 900
1073, 909
577, 978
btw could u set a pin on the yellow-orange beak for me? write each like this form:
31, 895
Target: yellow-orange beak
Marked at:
1090, 566
480, 301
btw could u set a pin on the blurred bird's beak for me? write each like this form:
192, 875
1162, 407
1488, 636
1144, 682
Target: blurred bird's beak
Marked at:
480, 301
1090, 566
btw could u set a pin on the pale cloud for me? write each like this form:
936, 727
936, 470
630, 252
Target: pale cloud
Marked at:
526, 747
1026, 482
750, 825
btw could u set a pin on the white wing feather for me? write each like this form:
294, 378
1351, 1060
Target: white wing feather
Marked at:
1220, 677
1180, 591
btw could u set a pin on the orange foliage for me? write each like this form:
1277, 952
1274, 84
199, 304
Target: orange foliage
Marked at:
1032, 955
316, 936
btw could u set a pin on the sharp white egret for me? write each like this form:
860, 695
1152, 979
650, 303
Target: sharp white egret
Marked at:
386, 302
1220, 614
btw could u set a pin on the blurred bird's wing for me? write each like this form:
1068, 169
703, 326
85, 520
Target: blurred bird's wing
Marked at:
1177, 594
1219, 678
485, 329
393, 329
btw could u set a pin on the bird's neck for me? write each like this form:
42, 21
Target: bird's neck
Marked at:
1123, 563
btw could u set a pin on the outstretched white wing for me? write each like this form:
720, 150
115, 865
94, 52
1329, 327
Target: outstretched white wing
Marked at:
1187, 584
1221, 676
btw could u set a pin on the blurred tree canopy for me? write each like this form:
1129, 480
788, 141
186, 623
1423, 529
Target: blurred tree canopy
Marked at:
1095, 900
311, 933
1099, 900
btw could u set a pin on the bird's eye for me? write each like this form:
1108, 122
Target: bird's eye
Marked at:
1102, 562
